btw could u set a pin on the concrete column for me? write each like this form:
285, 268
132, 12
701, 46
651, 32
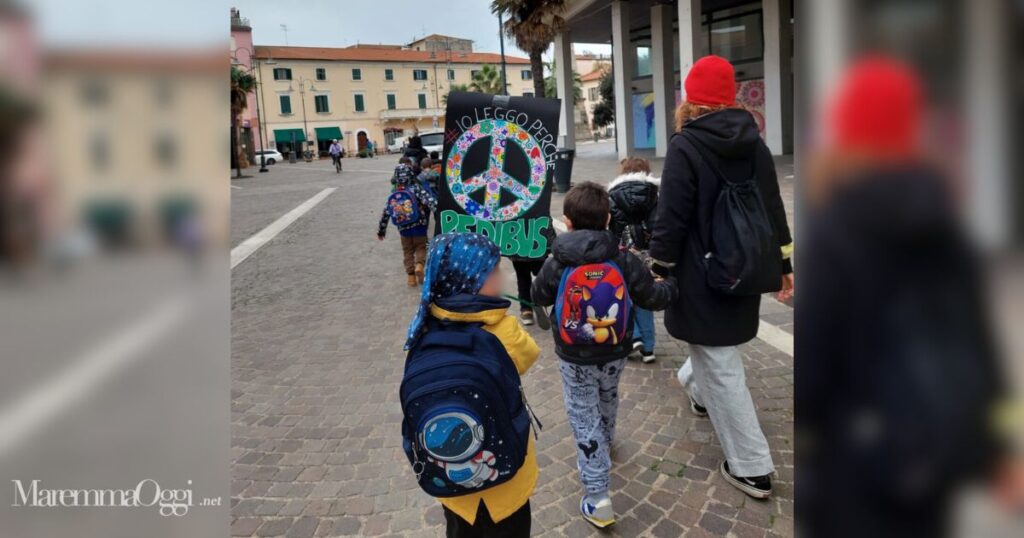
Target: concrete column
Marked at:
662, 69
622, 69
689, 37
773, 74
564, 61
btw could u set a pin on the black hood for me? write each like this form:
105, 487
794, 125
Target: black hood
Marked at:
730, 133
584, 246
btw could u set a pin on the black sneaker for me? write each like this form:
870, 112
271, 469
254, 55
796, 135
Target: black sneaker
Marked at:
647, 356
698, 409
758, 487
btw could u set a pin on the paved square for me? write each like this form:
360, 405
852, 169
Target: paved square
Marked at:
319, 317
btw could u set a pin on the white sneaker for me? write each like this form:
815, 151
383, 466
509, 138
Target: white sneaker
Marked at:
598, 512
647, 358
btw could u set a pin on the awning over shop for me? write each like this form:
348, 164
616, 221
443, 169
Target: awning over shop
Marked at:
328, 133
284, 136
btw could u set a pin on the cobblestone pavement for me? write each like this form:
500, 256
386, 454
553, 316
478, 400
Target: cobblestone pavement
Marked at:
319, 315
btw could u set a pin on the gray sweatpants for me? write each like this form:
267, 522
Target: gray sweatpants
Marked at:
592, 401
714, 377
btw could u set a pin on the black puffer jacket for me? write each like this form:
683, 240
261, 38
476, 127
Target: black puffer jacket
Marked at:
689, 189
591, 246
634, 202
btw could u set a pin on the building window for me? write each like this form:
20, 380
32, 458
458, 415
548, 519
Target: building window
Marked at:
99, 152
473, 73
166, 150
321, 103
526, 74
286, 104
95, 93
321, 73
419, 74
282, 73
389, 74
392, 101
422, 98
643, 60
357, 74
360, 106
593, 94
527, 94
451, 74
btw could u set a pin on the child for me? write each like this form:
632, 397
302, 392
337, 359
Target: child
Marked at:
462, 293
435, 158
408, 208
428, 177
634, 202
594, 284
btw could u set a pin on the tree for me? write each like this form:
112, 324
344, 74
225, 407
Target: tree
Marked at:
486, 80
604, 110
242, 83
533, 24
454, 88
551, 84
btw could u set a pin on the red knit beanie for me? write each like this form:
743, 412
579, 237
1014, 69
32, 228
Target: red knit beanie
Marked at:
877, 108
710, 82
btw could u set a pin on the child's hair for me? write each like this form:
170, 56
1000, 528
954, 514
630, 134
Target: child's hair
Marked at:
434, 155
405, 160
631, 165
587, 206
425, 163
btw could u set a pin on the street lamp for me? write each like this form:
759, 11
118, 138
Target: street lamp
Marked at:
254, 67
302, 97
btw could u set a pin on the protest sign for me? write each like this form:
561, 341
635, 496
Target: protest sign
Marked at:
499, 153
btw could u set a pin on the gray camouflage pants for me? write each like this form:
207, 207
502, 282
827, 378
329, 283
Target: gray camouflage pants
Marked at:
592, 401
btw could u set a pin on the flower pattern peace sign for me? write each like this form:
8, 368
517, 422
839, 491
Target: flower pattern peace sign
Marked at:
494, 178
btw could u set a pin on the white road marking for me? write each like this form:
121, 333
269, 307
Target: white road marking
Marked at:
236, 187
249, 246
86, 373
774, 336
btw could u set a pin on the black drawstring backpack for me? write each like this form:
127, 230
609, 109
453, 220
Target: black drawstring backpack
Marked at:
740, 250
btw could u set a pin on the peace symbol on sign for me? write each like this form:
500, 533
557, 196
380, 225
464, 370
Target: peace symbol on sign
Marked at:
494, 178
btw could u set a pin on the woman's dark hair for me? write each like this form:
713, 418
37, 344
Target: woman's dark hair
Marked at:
587, 206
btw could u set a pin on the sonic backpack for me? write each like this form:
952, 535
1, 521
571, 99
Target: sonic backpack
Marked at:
466, 422
592, 306
404, 208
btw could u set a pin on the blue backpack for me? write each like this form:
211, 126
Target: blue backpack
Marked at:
404, 208
466, 422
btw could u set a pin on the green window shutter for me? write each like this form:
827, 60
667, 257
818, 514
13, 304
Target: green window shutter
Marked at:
286, 104
359, 103
321, 73
391, 102
451, 74
422, 100
357, 74
389, 74
321, 104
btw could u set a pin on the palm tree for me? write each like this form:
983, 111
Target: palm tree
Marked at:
551, 84
454, 88
486, 80
533, 24
242, 83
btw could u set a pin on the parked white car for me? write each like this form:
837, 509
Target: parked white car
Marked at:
271, 155
397, 146
433, 141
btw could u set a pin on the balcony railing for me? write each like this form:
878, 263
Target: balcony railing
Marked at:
405, 113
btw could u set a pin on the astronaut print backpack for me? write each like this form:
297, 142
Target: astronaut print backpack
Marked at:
404, 208
592, 306
466, 424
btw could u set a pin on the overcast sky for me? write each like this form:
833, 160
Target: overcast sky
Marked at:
328, 23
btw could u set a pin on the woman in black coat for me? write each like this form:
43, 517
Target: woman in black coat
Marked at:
720, 141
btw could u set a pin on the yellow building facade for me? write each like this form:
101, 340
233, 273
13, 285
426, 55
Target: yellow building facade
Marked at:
378, 93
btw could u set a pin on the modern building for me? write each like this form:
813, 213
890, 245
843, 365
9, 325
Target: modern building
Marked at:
654, 42
360, 93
